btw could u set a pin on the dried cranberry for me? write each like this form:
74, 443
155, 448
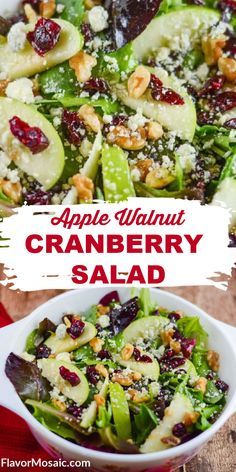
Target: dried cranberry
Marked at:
187, 346
37, 197
104, 354
179, 430
43, 352
109, 298
231, 46
223, 101
169, 364
230, 123
92, 374
87, 32
73, 127
221, 385
164, 94
141, 357
205, 118
71, 377
177, 335
159, 408
212, 85
173, 316
45, 36
121, 317
96, 85
210, 375
76, 329
35, 4
32, 137
117, 120
227, 4
75, 411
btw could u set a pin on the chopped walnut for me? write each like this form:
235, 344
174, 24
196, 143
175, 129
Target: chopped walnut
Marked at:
175, 345
171, 441
212, 48
123, 379
47, 8
154, 130
127, 352
12, 190
90, 118
167, 336
190, 418
101, 370
89, 4
136, 376
124, 138
67, 322
30, 13
159, 178
138, 82
213, 360
99, 399
3, 87
140, 397
102, 310
201, 384
83, 63
228, 68
84, 186
96, 344
144, 166
59, 404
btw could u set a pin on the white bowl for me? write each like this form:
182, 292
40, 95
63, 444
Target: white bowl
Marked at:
222, 338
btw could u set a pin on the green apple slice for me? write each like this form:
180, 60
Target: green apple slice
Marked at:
120, 411
150, 370
147, 328
179, 406
47, 166
50, 370
191, 22
178, 118
27, 62
68, 344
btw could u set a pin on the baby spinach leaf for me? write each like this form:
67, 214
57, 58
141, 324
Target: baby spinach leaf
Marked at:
191, 327
73, 11
144, 422
212, 394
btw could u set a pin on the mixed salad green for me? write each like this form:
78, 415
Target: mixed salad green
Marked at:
130, 377
115, 99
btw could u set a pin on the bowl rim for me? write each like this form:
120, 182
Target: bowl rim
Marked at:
115, 457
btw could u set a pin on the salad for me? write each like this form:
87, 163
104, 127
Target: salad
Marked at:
107, 100
127, 377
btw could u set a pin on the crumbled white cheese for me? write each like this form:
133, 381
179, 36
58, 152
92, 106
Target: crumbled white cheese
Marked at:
187, 156
135, 174
4, 163
98, 17
63, 356
21, 89
154, 388
27, 357
61, 331
162, 54
107, 119
17, 36
60, 8
203, 71
85, 147
112, 64
136, 121
104, 321
55, 393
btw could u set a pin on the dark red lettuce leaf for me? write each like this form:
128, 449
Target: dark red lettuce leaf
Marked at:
129, 18
122, 316
109, 298
26, 378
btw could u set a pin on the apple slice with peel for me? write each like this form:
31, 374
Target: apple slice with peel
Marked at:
178, 118
27, 62
46, 166
188, 23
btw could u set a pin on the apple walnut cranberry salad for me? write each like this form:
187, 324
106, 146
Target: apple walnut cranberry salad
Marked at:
107, 100
127, 377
